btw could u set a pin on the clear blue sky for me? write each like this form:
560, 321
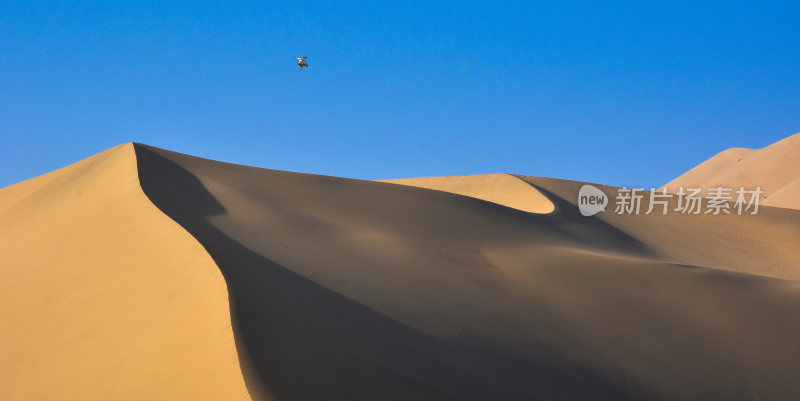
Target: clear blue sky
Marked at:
616, 93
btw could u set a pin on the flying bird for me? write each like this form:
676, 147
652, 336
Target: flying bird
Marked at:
301, 62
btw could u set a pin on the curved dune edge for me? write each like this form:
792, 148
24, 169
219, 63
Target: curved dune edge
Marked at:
103, 297
750, 244
357, 290
503, 189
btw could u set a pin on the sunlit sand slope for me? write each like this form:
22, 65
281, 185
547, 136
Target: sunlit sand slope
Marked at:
352, 290
503, 189
103, 297
775, 168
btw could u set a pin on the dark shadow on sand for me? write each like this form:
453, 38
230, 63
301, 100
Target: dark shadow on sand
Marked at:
302, 341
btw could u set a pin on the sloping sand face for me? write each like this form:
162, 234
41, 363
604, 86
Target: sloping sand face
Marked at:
775, 168
102, 297
351, 290
752, 244
503, 189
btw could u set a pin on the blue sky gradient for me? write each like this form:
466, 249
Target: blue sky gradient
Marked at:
619, 93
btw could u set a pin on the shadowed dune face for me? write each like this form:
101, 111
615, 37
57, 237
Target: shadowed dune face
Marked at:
300, 340
351, 290
775, 168
102, 297
752, 244
345, 289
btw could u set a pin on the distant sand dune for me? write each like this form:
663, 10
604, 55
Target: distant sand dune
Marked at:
487, 287
775, 168
503, 189
752, 244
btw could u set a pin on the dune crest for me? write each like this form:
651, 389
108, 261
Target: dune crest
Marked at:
775, 168
130, 274
503, 189
102, 297
358, 290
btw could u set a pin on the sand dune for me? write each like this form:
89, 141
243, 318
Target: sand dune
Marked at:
102, 297
428, 295
503, 189
748, 244
486, 288
775, 168
752, 244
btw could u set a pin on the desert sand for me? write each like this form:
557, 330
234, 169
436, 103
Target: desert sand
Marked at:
774, 168
103, 297
487, 287
503, 189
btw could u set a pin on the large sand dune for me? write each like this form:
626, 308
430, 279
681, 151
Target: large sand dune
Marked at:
775, 168
482, 288
102, 297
